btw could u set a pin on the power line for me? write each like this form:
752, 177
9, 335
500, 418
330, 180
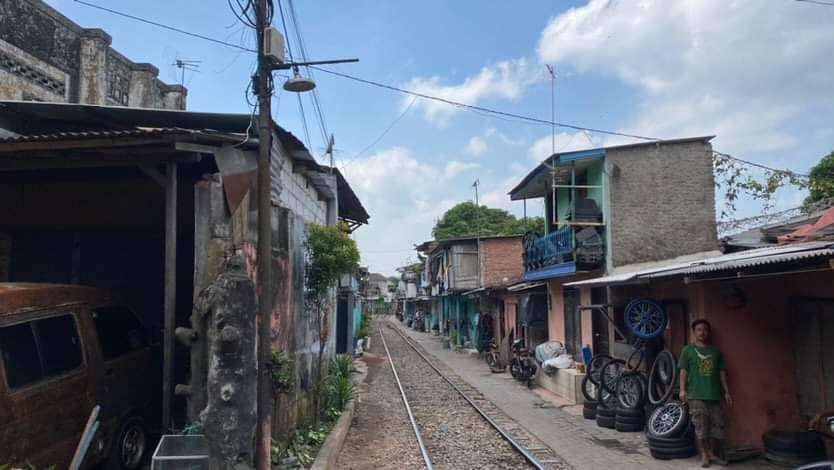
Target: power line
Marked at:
160, 25
479, 109
818, 2
384, 133
483, 109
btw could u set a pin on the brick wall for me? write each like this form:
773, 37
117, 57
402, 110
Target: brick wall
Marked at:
501, 261
45, 56
662, 201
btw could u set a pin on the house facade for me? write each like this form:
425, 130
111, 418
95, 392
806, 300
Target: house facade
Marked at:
157, 206
44, 56
608, 209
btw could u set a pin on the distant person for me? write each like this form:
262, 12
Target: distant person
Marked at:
702, 379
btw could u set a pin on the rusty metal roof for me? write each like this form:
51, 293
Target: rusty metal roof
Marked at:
16, 297
728, 262
98, 134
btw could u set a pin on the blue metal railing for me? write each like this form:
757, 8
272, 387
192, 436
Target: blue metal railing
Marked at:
582, 245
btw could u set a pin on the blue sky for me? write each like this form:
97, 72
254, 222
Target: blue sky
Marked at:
758, 75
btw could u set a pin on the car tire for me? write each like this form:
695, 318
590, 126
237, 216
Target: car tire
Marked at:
783, 442
791, 461
606, 412
128, 449
628, 427
682, 453
589, 389
605, 422
630, 412
589, 413
631, 420
671, 444
674, 423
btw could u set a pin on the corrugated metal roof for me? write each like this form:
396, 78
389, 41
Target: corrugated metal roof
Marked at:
739, 260
97, 134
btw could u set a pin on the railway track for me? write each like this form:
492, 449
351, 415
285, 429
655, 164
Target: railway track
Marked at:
528, 450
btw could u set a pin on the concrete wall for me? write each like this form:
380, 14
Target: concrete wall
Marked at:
662, 202
299, 196
44, 56
501, 261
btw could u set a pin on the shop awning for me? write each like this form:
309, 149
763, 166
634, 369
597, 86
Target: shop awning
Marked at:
713, 264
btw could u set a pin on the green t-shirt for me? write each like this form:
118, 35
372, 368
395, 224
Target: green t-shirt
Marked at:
702, 366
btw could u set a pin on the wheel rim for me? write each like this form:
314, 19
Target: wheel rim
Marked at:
662, 377
133, 446
645, 318
629, 390
666, 419
596, 365
610, 374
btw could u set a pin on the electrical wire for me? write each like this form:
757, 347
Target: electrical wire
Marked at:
303, 119
479, 109
163, 26
376, 141
817, 2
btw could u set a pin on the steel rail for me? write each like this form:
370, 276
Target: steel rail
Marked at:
518, 447
423, 449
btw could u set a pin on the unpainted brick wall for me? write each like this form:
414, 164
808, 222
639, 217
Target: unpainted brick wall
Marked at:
662, 202
501, 261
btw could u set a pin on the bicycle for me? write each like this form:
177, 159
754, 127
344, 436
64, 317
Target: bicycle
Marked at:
492, 357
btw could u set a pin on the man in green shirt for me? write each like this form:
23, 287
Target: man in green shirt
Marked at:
702, 378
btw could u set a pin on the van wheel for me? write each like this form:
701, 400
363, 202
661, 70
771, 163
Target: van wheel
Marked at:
128, 450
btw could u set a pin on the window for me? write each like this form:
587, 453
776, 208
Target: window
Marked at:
40, 349
20, 355
119, 331
59, 344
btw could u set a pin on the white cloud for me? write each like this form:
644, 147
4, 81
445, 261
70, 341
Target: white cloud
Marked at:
730, 68
476, 146
404, 198
454, 168
542, 148
503, 80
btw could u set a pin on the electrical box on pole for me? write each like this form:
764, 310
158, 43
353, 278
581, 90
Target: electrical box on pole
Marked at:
274, 45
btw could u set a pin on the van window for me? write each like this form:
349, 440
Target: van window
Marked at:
59, 343
119, 331
20, 355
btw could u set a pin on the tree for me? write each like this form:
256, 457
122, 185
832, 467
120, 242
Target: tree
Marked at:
330, 253
821, 180
463, 220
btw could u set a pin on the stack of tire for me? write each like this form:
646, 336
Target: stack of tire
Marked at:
630, 390
669, 432
793, 449
589, 409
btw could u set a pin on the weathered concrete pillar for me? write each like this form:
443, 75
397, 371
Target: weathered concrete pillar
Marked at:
229, 418
143, 92
173, 96
92, 84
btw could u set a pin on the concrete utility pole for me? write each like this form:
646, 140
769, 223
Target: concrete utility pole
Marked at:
263, 438
478, 230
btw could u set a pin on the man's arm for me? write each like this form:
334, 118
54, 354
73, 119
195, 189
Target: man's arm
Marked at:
727, 397
682, 385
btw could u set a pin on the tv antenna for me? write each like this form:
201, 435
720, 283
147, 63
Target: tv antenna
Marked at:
186, 64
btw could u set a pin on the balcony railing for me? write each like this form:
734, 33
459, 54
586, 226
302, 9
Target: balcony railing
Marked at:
584, 246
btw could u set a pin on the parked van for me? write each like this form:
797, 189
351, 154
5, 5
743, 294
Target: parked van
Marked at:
63, 350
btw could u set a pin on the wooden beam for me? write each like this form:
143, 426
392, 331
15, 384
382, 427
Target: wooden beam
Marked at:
170, 292
154, 174
198, 148
59, 163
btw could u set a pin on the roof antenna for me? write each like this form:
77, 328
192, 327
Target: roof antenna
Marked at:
186, 64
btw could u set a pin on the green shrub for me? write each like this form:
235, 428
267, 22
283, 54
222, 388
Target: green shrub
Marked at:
364, 326
282, 372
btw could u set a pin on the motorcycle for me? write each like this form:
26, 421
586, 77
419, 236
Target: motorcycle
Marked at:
522, 365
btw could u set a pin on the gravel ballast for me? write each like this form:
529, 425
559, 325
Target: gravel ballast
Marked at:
456, 436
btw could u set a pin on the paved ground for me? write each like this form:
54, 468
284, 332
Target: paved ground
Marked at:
557, 423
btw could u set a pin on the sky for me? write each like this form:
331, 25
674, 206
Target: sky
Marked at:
757, 75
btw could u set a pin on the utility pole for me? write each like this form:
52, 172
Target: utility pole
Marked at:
263, 441
478, 229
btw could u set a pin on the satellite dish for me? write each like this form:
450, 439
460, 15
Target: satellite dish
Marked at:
299, 84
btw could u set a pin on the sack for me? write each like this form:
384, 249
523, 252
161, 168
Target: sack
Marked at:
549, 350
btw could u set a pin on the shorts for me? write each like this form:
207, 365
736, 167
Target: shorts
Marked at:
708, 418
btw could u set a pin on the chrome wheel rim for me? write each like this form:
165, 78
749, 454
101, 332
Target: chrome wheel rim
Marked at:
666, 418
